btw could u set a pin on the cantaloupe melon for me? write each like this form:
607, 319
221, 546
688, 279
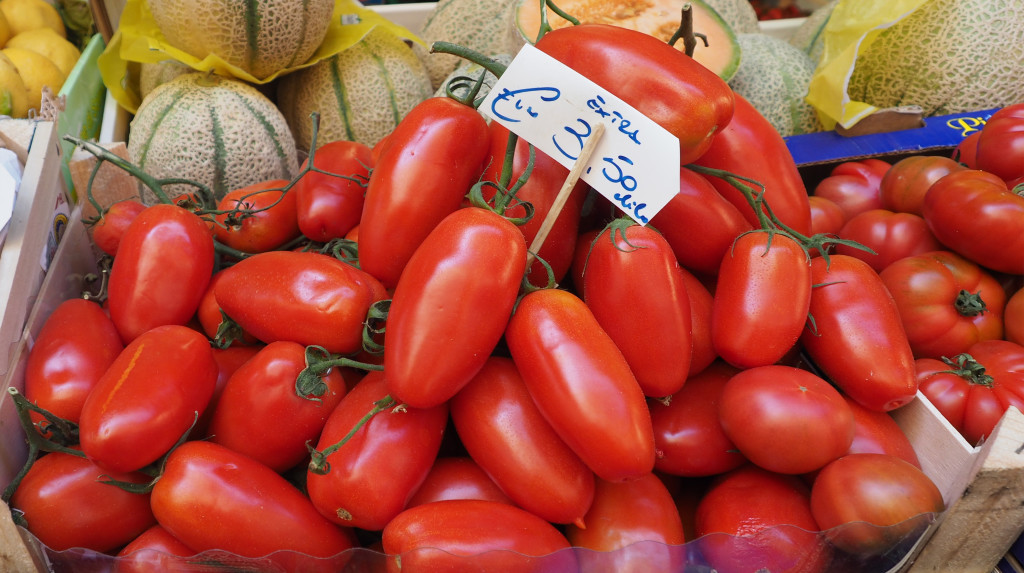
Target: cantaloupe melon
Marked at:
361, 93
155, 74
658, 18
773, 75
948, 56
261, 37
217, 131
810, 34
738, 14
481, 25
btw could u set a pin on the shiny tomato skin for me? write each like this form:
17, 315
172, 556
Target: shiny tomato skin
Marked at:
975, 404
272, 222
504, 431
211, 318
699, 223
946, 302
751, 519
854, 185
260, 414
457, 477
1001, 143
867, 502
106, 233
303, 297
1013, 317
163, 265
166, 377
903, 187
211, 497
474, 535
582, 383
772, 166
75, 346
785, 419
228, 360
827, 217
467, 271
540, 190
635, 268
432, 158
154, 551
878, 433
328, 206
891, 235
672, 89
701, 307
966, 152
352, 492
857, 336
631, 526
761, 299
687, 432
973, 213
66, 505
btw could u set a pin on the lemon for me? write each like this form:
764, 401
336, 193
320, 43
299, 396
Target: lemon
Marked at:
5, 30
13, 93
37, 71
32, 14
48, 43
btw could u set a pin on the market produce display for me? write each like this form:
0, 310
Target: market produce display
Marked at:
429, 345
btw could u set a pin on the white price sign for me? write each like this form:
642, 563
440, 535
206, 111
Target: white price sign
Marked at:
636, 162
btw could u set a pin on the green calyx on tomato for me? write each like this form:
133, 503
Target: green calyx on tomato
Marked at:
969, 304
966, 367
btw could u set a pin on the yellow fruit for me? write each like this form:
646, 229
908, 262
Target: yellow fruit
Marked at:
46, 42
5, 30
25, 15
37, 71
13, 93
261, 37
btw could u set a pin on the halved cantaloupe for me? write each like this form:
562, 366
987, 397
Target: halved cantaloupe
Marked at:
658, 18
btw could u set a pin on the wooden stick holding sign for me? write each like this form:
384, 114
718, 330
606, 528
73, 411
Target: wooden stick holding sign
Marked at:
563, 194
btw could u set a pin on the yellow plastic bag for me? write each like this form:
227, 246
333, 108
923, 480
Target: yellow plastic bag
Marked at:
138, 39
853, 27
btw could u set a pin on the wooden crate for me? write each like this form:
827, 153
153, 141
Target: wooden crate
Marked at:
983, 486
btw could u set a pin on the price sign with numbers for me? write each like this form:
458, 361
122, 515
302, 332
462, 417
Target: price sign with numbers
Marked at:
635, 164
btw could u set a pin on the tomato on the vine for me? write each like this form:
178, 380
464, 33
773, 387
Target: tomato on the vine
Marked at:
107, 232
257, 217
761, 299
163, 264
632, 284
328, 206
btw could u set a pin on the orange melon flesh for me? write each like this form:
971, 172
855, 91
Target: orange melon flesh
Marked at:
658, 18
